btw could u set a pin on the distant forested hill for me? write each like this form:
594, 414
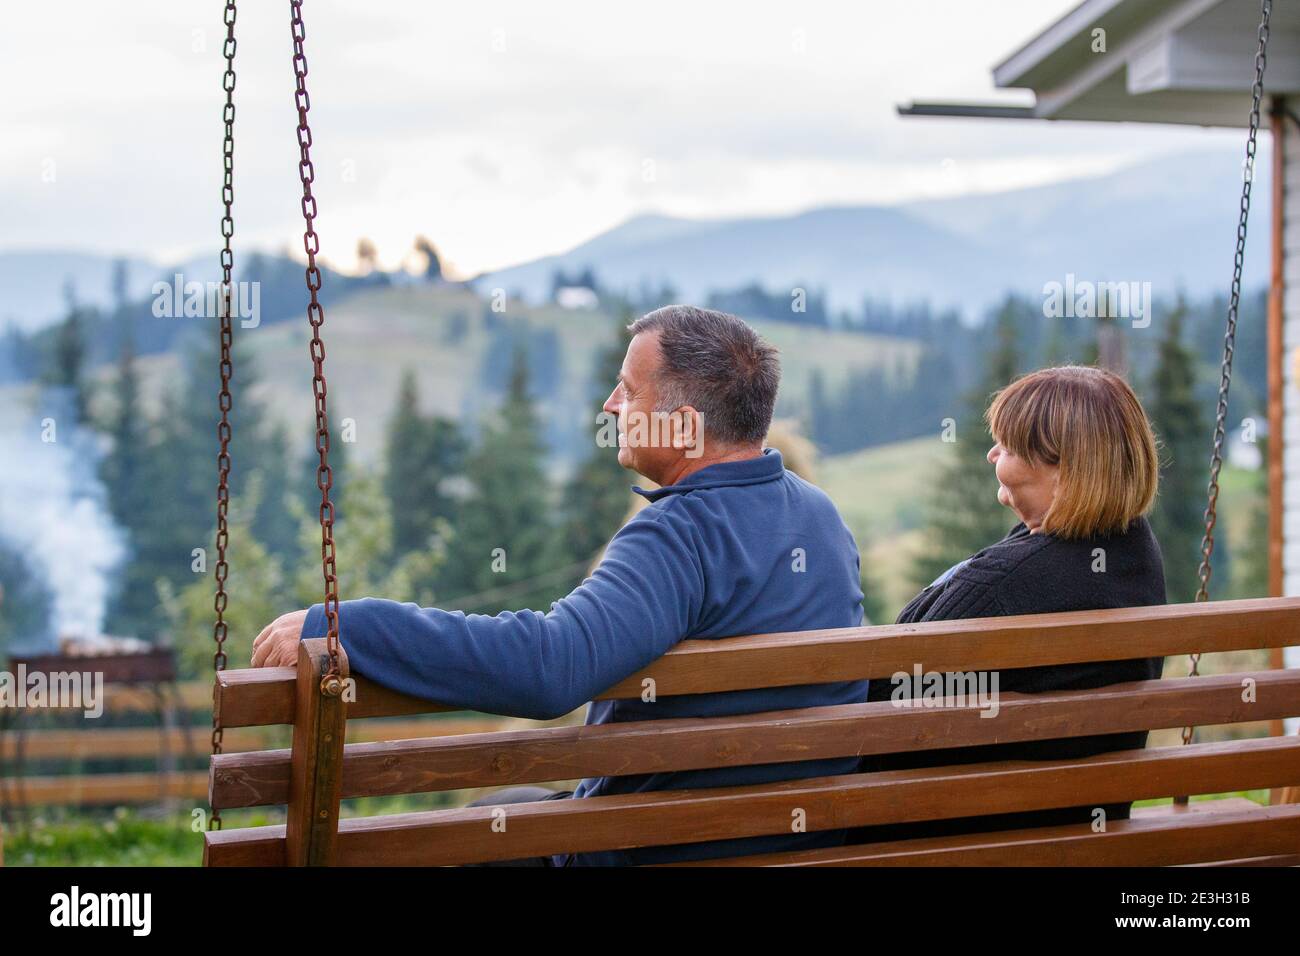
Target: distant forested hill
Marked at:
1171, 222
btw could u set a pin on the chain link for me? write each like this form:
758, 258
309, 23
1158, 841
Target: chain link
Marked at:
1230, 336
224, 401
316, 316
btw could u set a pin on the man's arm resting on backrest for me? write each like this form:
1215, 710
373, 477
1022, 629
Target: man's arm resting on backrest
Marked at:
643, 598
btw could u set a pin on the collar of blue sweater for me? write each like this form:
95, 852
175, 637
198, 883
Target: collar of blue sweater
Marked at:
751, 471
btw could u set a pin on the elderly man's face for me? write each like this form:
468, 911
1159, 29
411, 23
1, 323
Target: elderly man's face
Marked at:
634, 400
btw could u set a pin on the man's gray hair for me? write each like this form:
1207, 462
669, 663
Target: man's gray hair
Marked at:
719, 366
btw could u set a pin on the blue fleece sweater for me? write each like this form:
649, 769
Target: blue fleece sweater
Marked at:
736, 548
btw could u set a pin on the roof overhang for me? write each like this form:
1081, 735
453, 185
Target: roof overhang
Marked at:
1144, 61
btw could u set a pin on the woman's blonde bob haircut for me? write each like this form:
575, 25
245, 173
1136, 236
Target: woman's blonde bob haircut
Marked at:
1088, 422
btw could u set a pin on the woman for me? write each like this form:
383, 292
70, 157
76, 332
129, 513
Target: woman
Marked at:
1076, 462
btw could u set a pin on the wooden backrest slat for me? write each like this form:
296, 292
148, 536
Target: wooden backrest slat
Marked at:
248, 698
247, 846
568, 753
1169, 839
264, 697
672, 817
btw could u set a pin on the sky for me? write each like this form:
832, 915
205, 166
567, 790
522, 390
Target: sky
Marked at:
505, 131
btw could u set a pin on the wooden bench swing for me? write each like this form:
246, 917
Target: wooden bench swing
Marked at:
319, 770
318, 698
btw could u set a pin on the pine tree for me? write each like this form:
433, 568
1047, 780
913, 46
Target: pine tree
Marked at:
25, 600
125, 471
284, 499
1176, 417
67, 368
1055, 350
421, 454
256, 587
596, 496
180, 474
505, 536
123, 467
816, 410
364, 542
964, 515
432, 262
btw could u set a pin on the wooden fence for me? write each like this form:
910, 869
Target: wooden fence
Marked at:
161, 746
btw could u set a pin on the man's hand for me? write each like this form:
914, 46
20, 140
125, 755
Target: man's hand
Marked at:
277, 645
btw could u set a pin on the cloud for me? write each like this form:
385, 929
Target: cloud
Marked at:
505, 130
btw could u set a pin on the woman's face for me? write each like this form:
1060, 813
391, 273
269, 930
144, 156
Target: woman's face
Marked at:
1025, 488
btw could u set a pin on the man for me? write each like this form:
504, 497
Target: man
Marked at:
731, 544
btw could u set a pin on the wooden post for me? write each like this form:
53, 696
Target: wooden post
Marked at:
311, 830
1276, 380
1276, 346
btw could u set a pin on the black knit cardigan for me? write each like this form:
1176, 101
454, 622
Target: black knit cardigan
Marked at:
1035, 574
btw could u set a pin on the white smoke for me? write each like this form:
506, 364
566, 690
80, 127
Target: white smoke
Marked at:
52, 511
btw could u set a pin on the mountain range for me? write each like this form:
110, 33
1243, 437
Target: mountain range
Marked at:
1170, 221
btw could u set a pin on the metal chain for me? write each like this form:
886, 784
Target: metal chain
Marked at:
330, 684
224, 401
1230, 337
